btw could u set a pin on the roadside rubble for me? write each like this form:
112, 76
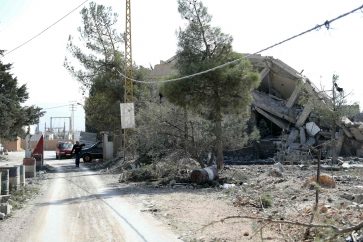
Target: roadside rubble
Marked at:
275, 177
254, 191
288, 128
291, 127
16, 189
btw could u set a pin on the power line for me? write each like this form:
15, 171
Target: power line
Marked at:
40, 33
9, 100
326, 24
57, 107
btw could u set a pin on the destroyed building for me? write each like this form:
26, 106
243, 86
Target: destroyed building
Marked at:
287, 125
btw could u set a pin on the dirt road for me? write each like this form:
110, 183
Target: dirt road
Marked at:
78, 206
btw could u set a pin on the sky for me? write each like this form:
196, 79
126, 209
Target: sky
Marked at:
253, 25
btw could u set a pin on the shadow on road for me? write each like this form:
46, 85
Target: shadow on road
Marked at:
124, 190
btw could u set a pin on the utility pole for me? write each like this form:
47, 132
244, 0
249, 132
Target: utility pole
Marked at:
71, 128
333, 144
128, 97
128, 85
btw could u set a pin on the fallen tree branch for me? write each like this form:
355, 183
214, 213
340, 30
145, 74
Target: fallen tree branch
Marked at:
336, 229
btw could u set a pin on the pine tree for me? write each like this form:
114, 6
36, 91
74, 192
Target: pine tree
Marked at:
14, 116
216, 93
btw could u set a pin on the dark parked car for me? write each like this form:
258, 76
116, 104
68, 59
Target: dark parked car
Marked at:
63, 150
93, 152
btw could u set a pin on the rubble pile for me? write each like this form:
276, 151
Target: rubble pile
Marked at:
353, 130
288, 128
291, 126
293, 195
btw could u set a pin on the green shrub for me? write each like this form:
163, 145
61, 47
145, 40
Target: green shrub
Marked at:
266, 200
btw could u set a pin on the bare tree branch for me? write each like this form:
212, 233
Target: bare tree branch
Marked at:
336, 230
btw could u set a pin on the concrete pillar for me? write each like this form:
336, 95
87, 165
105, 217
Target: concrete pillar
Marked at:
107, 147
4, 181
22, 175
29, 167
14, 178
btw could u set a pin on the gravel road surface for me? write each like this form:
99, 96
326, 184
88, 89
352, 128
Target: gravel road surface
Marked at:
77, 206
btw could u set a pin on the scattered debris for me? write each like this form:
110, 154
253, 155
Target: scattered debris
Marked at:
173, 169
275, 173
204, 175
326, 181
227, 186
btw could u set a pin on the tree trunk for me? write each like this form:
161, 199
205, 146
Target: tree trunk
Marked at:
218, 132
334, 159
186, 131
219, 145
333, 143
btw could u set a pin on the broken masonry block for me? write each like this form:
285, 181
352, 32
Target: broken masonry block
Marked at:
312, 129
5, 208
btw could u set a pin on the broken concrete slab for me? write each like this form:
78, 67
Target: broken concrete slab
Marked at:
346, 122
304, 114
294, 133
312, 129
294, 96
272, 106
356, 133
347, 132
275, 120
302, 135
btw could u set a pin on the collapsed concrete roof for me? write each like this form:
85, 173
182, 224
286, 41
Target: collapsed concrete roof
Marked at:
277, 94
276, 98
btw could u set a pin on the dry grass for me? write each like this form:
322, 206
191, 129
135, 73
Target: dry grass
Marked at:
22, 195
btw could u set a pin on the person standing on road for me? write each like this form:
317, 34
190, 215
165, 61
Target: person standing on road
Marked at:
77, 149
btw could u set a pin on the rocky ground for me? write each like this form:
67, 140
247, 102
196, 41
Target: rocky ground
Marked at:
249, 203
233, 210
